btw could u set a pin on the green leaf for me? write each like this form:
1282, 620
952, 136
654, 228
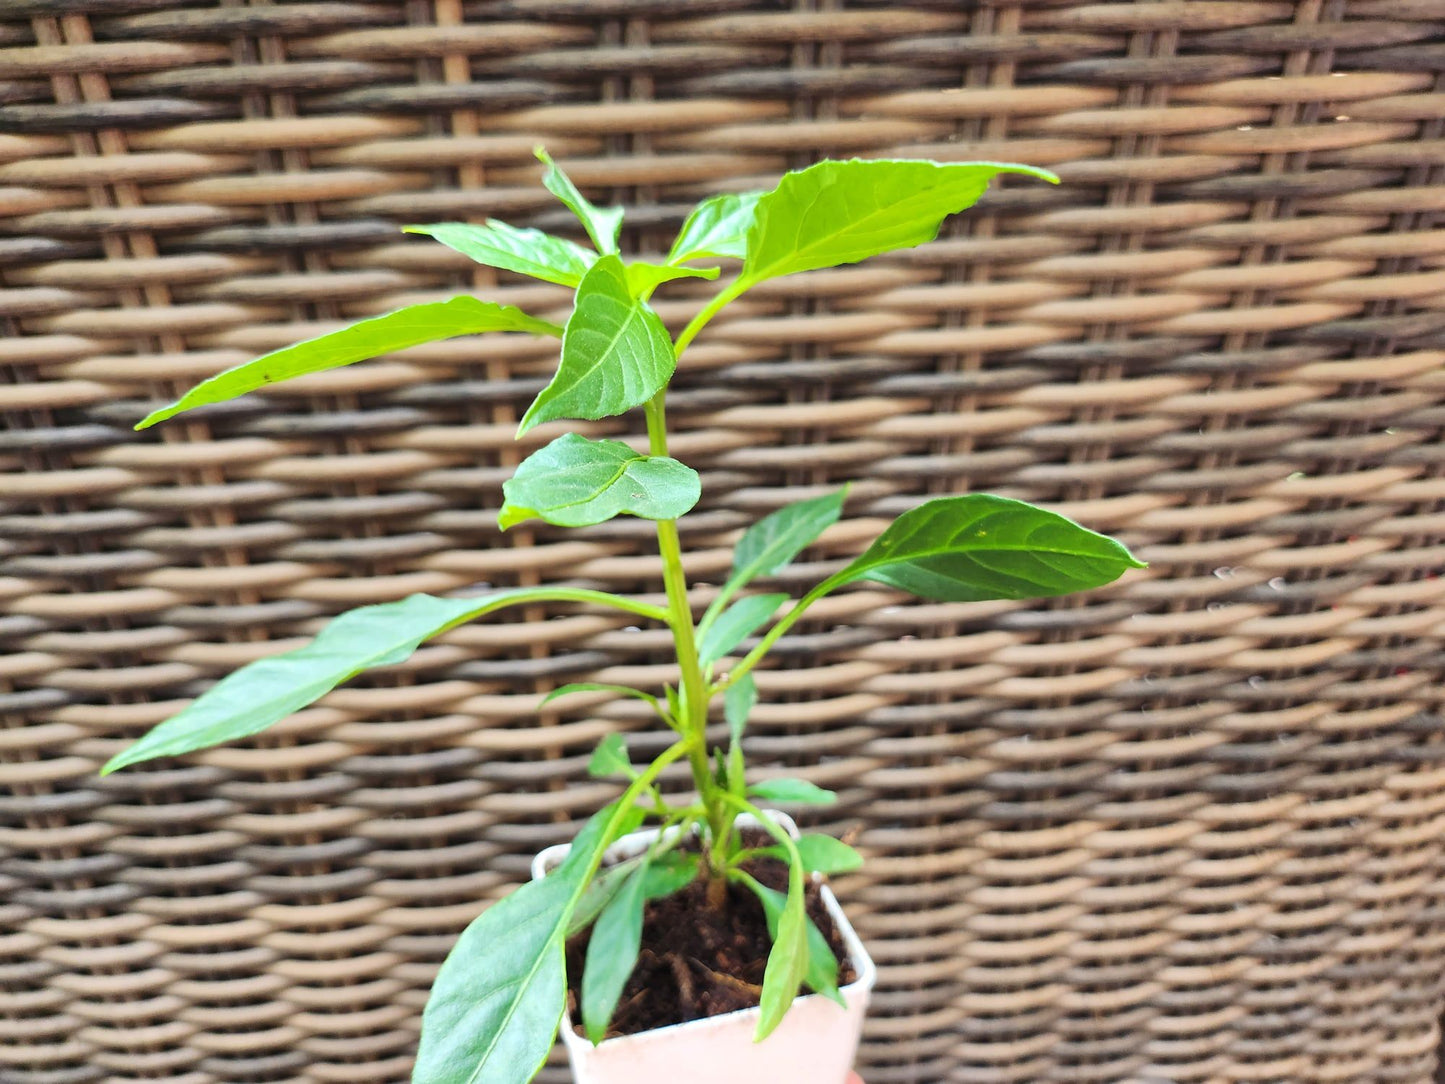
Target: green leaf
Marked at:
675, 704
739, 699
670, 873
643, 278
820, 854
736, 624
525, 251
602, 224
842, 212
787, 962
610, 758
598, 687
267, 690
493, 1011
796, 791
717, 227
966, 549
769, 544
616, 354
601, 889
575, 482
365, 339
822, 971
612, 953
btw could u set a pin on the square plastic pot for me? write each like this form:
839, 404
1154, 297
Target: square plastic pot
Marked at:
816, 1041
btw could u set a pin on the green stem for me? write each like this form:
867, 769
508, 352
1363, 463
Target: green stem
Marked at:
712, 308
582, 594
774, 634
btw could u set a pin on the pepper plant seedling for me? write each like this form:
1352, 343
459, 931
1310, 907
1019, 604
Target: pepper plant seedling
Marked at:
497, 1001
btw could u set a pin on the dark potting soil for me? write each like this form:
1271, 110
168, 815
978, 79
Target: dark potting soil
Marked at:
697, 962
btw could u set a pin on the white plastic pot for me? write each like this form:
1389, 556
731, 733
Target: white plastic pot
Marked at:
815, 1043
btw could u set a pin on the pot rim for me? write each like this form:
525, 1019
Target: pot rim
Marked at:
635, 842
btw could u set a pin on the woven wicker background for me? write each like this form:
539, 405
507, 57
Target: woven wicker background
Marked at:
1191, 828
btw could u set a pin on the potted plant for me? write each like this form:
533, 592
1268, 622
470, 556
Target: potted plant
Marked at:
716, 866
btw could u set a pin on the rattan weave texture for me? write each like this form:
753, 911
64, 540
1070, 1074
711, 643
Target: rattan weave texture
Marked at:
1188, 829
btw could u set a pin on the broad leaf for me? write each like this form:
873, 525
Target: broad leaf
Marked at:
493, 1011
842, 212
616, 354
525, 251
822, 971
736, 624
643, 278
365, 339
739, 699
602, 224
610, 758
267, 690
769, 544
612, 953
717, 227
965, 549
575, 482
796, 791
788, 960
670, 873
821, 854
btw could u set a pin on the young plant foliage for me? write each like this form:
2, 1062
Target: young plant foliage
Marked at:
494, 1009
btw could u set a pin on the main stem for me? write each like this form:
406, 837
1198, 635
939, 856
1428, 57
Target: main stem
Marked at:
694, 686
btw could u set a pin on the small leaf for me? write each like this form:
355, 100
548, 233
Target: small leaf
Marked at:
576, 482
267, 690
788, 960
820, 854
737, 770
967, 549
739, 699
717, 227
842, 212
602, 888
643, 278
602, 224
616, 354
768, 545
796, 791
610, 758
598, 687
822, 973
493, 1011
525, 251
365, 339
612, 953
736, 624
670, 873
675, 704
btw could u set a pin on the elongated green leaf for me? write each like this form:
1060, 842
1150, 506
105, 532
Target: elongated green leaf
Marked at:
493, 1011
574, 482
669, 873
610, 758
797, 791
266, 691
643, 278
821, 854
822, 970
525, 251
788, 960
598, 687
842, 212
612, 953
597, 894
736, 624
365, 339
964, 549
739, 699
717, 227
769, 544
616, 354
602, 224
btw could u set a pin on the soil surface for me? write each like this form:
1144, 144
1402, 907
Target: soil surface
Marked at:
696, 962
